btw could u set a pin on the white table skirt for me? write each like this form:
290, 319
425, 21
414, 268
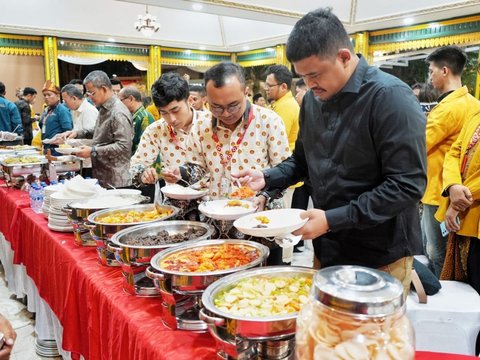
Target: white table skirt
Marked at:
47, 325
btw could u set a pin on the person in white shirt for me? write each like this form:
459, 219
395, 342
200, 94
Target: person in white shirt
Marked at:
84, 116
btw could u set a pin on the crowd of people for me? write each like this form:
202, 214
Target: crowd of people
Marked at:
364, 146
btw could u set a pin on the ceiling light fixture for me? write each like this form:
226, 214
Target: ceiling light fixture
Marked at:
408, 21
147, 24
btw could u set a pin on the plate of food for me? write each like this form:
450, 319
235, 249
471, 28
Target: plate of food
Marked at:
179, 192
227, 209
271, 223
67, 150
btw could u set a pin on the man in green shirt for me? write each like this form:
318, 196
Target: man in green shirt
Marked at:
132, 99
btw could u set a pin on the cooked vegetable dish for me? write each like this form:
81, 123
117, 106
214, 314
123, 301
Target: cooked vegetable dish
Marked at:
265, 296
243, 192
126, 217
211, 258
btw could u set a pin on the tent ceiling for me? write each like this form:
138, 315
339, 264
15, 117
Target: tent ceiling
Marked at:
219, 25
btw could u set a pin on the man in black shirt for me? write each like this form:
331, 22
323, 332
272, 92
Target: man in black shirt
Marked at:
24, 108
362, 146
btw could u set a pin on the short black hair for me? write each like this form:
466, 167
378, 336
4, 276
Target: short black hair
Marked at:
29, 91
116, 82
198, 88
78, 82
222, 71
256, 97
169, 87
2, 88
451, 57
300, 83
318, 33
282, 74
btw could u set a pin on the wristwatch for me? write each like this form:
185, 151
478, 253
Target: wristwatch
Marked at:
94, 152
266, 195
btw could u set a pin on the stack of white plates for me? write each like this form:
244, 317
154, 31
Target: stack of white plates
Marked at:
46, 348
49, 190
76, 189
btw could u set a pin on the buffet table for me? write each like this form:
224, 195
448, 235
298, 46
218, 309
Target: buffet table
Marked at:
99, 320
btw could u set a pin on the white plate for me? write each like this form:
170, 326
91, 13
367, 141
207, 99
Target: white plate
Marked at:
67, 151
60, 228
124, 192
179, 192
282, 222
218, 209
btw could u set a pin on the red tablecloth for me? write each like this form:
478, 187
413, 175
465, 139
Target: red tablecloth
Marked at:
99, 319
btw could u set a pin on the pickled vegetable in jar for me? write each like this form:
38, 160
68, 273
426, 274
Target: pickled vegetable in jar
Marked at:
354, 313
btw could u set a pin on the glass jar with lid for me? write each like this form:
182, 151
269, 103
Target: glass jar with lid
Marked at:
354, 313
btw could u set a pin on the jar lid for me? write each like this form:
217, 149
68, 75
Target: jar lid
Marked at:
358, 290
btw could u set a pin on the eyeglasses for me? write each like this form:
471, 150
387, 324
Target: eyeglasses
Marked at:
231, 109
268, 86
122, 99
91, 93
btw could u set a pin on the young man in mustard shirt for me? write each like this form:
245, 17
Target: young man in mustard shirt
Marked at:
444, 123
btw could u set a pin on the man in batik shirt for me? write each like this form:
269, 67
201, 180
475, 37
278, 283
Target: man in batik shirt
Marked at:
166, 138
237, 136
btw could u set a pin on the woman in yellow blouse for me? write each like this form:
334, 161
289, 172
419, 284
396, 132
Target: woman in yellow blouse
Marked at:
460, 208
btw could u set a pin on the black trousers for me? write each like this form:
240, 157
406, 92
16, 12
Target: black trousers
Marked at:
473, 264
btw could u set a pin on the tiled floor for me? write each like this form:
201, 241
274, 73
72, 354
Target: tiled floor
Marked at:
24, 322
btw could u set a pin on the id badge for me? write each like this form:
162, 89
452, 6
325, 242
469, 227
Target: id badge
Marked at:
224, 187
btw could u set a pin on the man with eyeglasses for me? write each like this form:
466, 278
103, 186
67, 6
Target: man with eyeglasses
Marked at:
131, 97
362, 145
236, 136
277, 88
112, 136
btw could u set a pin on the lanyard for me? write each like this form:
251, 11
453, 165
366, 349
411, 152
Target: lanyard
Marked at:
174, 138
45, 118
471, 144
229, 153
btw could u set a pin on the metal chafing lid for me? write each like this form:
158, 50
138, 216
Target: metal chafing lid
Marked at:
358, 290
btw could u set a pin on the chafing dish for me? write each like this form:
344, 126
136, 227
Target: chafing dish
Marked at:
102, 232
78, 215
134, 259
268, 337
181, 291
66, 164
25, 168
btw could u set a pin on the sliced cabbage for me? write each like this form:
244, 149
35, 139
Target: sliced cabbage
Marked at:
265, 296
